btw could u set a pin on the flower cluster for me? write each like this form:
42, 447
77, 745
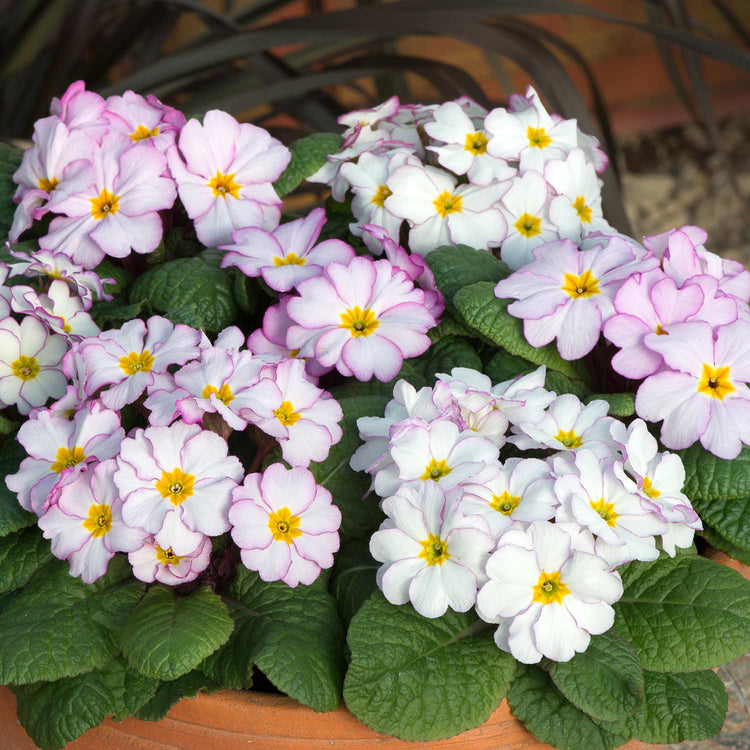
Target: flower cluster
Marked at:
532, 543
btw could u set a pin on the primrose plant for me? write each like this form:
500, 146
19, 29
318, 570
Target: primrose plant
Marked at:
409, 440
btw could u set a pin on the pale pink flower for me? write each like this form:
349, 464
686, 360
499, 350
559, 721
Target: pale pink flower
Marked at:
365, 318
176, 483
224, 172
144, 120
80, 109
285, 525
288, 255
154, 563
86, 526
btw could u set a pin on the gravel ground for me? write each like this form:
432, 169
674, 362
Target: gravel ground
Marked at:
671, 178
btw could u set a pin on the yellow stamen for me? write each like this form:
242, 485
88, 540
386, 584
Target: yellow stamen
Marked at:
381, 194
48, 185
67, 458
99, 521
715, 382
505, 503
25, 368
142, 133
528, 225
585, 285
537, 137
284, 526
224, 185
606, 511
290, 259
224, 394
167, 557
446, 203
549, 588
476, 143
660, 331
286, 414
583, 211
434, 550
107, 204
359, 322
137, 362
175, 486
649, 489
436, 469
569, 439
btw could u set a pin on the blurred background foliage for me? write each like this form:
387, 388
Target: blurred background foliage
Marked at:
295, 65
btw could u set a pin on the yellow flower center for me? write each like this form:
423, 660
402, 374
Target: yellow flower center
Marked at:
569, 439
25, 368
476, 143
649, 489
505, 503
549, 588
381, 194
223, 185
606, 511
175, 486
137, 362
715, 382
286, 414
107, 204
528, 225
585, 285
359, 322
434, 550
659, 331
167, 557
447, 203
99, 521
67, 459
224, 394
290, 259
583, 211
537, 137
142, 133
48, 185
284, 526
436, 469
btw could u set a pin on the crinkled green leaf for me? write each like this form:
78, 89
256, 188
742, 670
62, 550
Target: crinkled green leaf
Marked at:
683, 614
21, 555
605, 681
12, 516
308, 156
620, 404
729, 517
7, 426
551, 718
10, 160
715, 539
482, 311
167, 635
193, 291
458, 266
449, 352
293, 635
246, 292
710, 478
112, 313
419, 678
448, 326
353, 577
505, 366
677, 707
122, 278
136, 691
58, 626
169, 693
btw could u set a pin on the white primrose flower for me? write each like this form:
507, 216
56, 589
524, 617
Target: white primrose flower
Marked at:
434, 555
441, 212
547, 596
529, 391
154, 563
604, 500
465, 151
30, 363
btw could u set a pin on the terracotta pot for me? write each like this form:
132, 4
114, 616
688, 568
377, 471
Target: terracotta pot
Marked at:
724, 559
230, 720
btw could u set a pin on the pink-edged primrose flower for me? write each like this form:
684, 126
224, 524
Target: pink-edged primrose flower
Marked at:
144, 120
154, 563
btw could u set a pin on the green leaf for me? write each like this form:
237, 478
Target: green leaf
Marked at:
10, 160
122, 277
457, 266
58, 626
449, 352
246, 292
504, 366
448, 326
21, 555
137, 690
169, 693
7, 426
729, 518
685, 613
710, 478
715, 539
482, 311
112, 313
308, 156
353, 577
12, 516
605, 681
620, 404
550, 717
360, 515
193, 291
419, 678
677, 707
293, 635
559, 383
167, 635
